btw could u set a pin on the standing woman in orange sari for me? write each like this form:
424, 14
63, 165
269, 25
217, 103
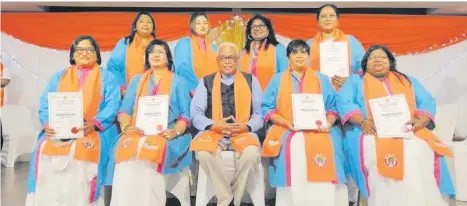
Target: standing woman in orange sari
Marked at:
328, 22
195, 56
262, 56
127, 58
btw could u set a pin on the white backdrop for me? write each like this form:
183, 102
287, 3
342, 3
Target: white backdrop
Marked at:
442, 72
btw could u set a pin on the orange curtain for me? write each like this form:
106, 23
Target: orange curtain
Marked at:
402, 33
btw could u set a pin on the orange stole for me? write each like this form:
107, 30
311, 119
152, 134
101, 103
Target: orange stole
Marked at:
88, 147
2, 92
154, 146
135, 57
339, 35
208, 140
318, 146
265, 64
204, 61
390, 152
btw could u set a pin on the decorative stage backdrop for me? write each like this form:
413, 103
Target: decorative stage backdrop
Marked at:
431, 48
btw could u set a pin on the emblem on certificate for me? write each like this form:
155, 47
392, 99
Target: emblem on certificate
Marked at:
390, 160
152, 115
66, 114
320, 160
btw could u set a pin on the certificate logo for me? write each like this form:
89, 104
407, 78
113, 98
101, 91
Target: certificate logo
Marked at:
320, 160
88, 144
126, 143
391, 160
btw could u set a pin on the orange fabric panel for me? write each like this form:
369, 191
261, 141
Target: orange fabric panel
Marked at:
402, 33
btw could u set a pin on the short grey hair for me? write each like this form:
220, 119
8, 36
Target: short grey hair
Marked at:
228, 44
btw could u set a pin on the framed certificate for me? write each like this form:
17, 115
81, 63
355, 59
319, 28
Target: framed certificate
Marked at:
66, 114
390, 115
308, 111
153, 112
334, 59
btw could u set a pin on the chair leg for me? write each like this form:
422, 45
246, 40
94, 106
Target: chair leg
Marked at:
107, 195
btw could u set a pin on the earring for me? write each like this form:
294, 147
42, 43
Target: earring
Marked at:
249, 37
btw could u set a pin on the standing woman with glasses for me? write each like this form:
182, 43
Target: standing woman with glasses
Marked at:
328, 22
262, 55
71, 171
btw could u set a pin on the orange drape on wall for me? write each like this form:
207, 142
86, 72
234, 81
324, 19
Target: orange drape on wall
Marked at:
402, 33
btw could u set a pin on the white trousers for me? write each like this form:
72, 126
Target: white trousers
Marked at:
137, 182
62, 181
419, 184
305, 193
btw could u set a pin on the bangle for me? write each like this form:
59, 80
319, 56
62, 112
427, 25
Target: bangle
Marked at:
363, 121
124, 128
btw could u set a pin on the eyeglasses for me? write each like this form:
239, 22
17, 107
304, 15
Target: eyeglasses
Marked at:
382, 58
258, 27
228, 58
82, 50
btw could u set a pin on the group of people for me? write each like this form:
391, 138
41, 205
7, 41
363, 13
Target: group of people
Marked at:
227, 99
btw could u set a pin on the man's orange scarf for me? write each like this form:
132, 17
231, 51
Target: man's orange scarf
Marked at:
208, 140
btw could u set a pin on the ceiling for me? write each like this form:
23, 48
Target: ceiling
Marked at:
433, 8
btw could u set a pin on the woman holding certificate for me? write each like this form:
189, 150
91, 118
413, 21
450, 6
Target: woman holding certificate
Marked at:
154, 116
195, 56
308, 161
77, 110
126, 60
394, 159
262, 56
334, 53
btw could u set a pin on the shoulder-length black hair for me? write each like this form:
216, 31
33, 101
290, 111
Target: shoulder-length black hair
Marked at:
93, 43
193, 18
327, 5
391, 58
270, 39
296, 45
150, 48
129, 38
